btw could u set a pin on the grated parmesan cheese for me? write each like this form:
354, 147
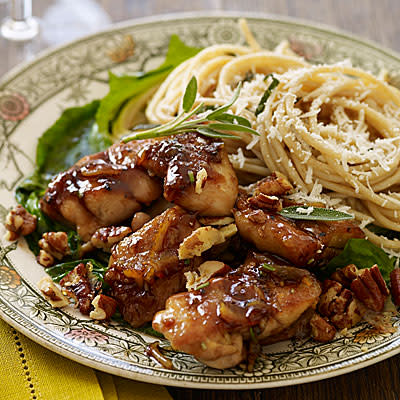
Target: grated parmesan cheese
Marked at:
305, 211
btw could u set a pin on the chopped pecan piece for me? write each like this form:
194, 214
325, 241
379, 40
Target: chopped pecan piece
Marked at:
45, 259
105, 238
19, 222
104, 307
201, 179
207, 270
138, 220
265, 201
395, 285
55, 243
338, 304
52, 293
81, 286
345, 275
370, 288
86, 248
203, 238
321, 329
274, 185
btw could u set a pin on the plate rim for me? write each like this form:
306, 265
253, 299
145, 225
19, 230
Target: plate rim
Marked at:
148, 378
20, 67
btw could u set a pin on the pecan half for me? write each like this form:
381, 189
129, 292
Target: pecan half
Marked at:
339, 304
19, 222
45, 259
55, 243
81, 286
395, 285
321, 329
104, 307
370, 288
106, 238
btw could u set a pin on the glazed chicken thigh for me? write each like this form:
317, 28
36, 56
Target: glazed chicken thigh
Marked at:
100, 190
144, 268
257, 301
303, 243
196, 170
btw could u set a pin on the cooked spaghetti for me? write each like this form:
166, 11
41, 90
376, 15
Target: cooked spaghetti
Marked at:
332, 129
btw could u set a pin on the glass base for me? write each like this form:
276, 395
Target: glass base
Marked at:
20, 30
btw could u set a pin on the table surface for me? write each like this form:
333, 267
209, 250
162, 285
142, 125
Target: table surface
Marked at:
370, 19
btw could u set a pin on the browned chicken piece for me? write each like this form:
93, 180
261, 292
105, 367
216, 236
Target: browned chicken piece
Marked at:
303, 243
261, 299
196, 170
100, 190
333, 234
144, 269
271, 232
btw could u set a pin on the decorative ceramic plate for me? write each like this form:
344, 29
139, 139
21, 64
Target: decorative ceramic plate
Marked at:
31, 99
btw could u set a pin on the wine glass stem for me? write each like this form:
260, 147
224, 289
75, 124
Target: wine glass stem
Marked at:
21, 9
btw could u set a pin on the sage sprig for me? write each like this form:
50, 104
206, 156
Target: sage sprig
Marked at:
314, 214
215, 124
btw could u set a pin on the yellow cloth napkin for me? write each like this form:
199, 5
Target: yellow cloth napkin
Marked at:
28, 371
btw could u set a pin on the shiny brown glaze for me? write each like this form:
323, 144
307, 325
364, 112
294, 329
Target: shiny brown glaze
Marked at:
334, 234
271, 232
178, 159
303, 243
250, 303
144, 269
100, 190
108, 187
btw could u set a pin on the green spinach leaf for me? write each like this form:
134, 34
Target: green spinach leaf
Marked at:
124, 88
58, 271
363, 254
72, 136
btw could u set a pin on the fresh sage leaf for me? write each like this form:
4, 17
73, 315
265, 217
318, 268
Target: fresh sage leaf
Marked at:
190, 95
185, 123
233, 119
261, 105
317, 214
232, 127
215, 134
